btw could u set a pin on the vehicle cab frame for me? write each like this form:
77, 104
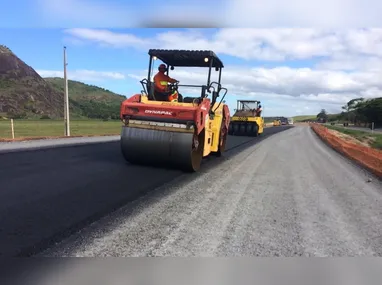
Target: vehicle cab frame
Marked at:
186, 58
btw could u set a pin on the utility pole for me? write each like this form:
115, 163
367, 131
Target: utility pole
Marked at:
66, 99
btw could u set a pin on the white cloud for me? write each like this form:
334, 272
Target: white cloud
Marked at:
107, 38
119, 14
258, 44
83, 75
295, 13
285, 83
232, 13
348, 62
337, 66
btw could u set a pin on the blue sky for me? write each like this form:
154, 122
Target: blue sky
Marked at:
42, 49
293, 71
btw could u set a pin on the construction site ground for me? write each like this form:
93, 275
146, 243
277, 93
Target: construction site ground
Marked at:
288, 195
285, 193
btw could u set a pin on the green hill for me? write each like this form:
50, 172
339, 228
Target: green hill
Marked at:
88, 100
304, 118
307, 118
25, 94
22, 90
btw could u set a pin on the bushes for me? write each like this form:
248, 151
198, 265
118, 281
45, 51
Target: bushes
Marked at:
99, 110
363, 112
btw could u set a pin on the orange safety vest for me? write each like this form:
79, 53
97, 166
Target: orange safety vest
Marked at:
161, 81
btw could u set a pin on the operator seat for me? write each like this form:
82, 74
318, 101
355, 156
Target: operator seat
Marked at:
159, 96
192, 99
150, 90
163, 96
154, 95
196, 99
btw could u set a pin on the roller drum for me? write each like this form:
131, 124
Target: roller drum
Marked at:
160, 148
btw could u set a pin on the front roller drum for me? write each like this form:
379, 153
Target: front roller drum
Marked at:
165, 149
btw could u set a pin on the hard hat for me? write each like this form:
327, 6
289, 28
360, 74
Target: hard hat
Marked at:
162, 66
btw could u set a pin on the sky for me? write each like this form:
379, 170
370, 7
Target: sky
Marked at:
268, 53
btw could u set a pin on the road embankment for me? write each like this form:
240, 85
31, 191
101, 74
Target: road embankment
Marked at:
369, 158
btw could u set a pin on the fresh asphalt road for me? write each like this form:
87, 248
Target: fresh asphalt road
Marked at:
48, 194
288, 195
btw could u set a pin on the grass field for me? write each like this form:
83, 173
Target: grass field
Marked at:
47, 128
375, 140
53, 128
305, 117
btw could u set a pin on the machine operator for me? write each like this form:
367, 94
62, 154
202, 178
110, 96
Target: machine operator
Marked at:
162, 91
258, 111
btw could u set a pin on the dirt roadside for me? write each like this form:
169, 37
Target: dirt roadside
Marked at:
358, 151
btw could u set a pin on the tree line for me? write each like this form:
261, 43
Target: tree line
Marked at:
359, 111
98, 110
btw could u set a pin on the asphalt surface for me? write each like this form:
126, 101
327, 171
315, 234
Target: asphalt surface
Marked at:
48, 194
6, 147
289, 195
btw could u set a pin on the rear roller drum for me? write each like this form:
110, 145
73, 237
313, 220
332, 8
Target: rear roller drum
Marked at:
196, 153
230, 129
255, 131
222, 140
249, 129
242, 129
235, 128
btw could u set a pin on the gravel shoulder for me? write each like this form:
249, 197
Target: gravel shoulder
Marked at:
289, 195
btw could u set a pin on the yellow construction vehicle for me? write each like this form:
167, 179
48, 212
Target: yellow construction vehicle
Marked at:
247, 120
277, 122
176, 134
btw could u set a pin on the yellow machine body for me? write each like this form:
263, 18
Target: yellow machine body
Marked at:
212, 128
245, 121
276, 123
177, 134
